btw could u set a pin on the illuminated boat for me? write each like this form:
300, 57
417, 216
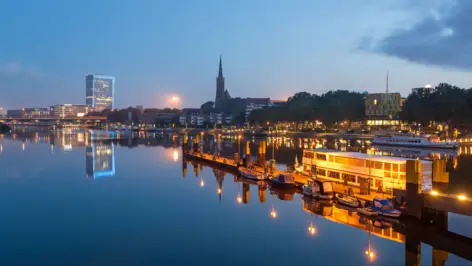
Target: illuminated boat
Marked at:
354, 169
414, 141
251, 173
347, 200
367, 211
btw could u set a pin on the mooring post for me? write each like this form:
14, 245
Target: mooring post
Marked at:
195, 144
414, 199
248, 154
246, 192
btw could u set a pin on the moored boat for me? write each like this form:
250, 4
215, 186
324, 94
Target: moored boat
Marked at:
319, 189
283, 179
367, 211
251, 173
385, 207
414, 141
347, 200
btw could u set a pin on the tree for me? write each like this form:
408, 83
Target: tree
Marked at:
207, 107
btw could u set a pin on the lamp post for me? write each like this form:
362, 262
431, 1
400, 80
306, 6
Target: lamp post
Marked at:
369, 151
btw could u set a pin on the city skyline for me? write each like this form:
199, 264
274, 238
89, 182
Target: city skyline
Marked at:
271, 49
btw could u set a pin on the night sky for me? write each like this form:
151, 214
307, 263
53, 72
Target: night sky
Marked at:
270, 48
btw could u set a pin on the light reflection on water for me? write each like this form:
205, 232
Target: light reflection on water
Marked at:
150, 207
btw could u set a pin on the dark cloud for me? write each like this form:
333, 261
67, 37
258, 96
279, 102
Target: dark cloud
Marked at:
443, 38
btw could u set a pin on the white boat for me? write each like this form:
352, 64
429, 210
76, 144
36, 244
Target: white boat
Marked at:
355, 168
367, 211
347, 200
413, 141
251, 173
319, 189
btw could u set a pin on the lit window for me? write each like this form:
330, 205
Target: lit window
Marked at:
375, 101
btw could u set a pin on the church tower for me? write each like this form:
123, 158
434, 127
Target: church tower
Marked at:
221, 93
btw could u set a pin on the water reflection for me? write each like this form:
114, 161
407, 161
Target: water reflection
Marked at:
100, 159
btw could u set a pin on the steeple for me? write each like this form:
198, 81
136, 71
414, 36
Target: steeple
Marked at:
220, 72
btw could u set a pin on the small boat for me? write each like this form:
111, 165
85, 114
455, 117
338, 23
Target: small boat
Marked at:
347, 200
283, 179
385, 207
367, 211
250, 173
319, 189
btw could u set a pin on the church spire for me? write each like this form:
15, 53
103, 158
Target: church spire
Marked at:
220, 72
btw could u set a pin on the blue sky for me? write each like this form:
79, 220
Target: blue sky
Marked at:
273, 48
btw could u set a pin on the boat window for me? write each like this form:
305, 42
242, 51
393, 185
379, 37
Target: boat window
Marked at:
331, 158
321, 172
403, 167
378, 165
395, 167
349, 178
387, 166
321, 157
333, 174
308, 154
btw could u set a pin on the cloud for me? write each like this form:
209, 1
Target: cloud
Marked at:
18, 69
441, 37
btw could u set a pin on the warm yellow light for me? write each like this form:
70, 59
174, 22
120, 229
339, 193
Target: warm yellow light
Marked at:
462, 197
239, 199
311, 230
273, 214
219, 191
176, 156
23, 146
434, 193
175, 98
202, 184
239, 137
367, 252
371, 255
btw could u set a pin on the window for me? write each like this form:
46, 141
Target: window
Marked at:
387, 174
395, 167
394, 175
387, 166
308, 154
349, 178
321, 157
402, 177
378, 183
403, 167
331, 158
333, 174
321, 172
378, 165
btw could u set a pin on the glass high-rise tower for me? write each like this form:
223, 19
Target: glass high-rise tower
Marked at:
100, 91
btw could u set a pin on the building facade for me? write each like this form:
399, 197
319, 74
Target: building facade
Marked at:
221, 93
28, 113
253, 104
219, 118
100, 92
191, 117
68, 110
384, 105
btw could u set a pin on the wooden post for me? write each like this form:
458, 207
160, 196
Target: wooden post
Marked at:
246, 193
414, 198
195, 144
248, 154
262, 194
185, 143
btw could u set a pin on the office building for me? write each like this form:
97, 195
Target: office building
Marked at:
28, 113
253, 104
100, 92
382, 104
3, 112
99, 159
191, 117
69, 110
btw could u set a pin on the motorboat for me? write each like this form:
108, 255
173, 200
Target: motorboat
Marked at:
385, 207
414, 141
283, 179
347, 200
367, 211
251, 173
319, 189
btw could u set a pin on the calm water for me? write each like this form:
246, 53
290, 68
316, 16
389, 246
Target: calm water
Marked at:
68, 200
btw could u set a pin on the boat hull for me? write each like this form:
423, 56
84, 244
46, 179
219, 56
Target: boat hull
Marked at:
416, 145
